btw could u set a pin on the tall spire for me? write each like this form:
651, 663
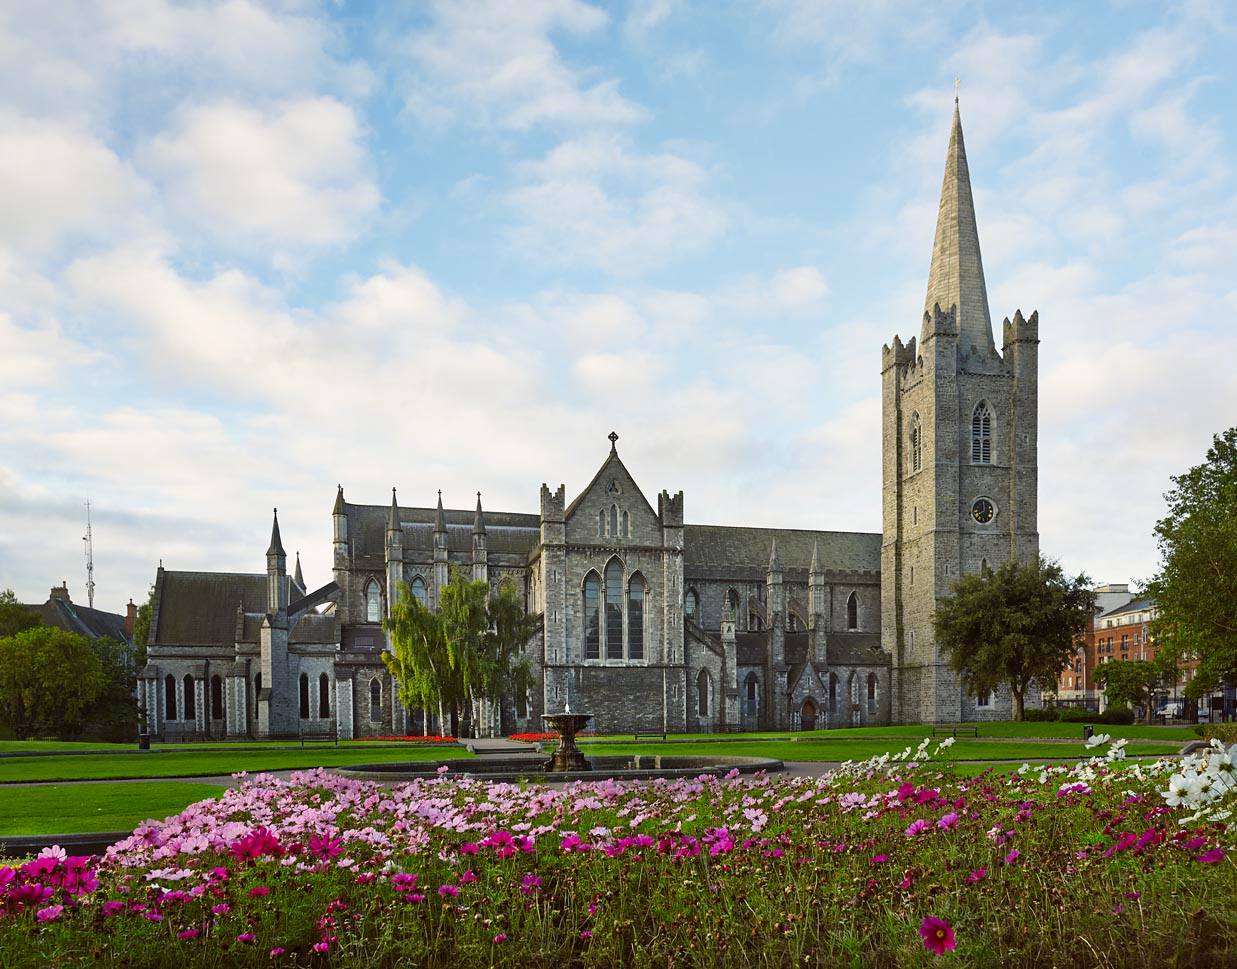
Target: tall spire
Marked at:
775, 564
957, 274
478, 521
815, 566
276, 545
339, 501
393, 517
440, 520
297, 577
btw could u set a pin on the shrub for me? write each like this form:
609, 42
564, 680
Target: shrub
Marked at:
1118, 715
1042, 715
1224, 732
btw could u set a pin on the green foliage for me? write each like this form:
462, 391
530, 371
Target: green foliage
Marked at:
15, 617
49, 680
1195, 590
1041, 715
113, 716
472, 648
141, 628
1131, 683
1014, 626
1226, 732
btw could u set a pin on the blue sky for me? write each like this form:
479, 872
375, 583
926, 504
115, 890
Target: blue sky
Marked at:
249, 250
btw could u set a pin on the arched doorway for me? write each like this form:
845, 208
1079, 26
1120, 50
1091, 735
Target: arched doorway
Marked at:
807, 715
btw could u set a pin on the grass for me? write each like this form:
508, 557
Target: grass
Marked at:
814, 749
57, 809
82, 746
995, 730
208, 763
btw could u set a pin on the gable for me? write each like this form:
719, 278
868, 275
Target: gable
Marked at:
612, 493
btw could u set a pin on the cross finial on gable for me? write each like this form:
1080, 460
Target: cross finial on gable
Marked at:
613, 441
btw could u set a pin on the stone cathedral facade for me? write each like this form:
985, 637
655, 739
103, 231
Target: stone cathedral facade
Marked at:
645, 619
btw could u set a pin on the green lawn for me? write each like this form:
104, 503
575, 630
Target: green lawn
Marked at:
57, 809
1000, 729
814, 749
83, 746
208, 762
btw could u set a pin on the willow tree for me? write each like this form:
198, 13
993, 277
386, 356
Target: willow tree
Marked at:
418, 656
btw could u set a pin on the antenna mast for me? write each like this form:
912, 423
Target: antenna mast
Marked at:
88, 539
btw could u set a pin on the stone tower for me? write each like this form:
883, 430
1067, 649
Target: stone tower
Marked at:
959, 436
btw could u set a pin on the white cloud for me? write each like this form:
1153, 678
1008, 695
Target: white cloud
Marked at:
595, 201
492, 63
293, 175
38, 356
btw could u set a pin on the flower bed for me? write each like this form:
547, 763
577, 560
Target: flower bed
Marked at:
534, 738
889, 862
423, 739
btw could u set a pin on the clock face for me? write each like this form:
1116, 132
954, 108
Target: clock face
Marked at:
982, 511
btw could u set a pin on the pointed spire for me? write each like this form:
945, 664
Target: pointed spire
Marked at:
276, 545
478, 521
297, 577
393, 517
957, 274
775, 564
440, 520
339, 501
815, 566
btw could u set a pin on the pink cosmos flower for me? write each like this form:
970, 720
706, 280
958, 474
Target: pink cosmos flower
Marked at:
948, 822
49, 914
152, 916
449, 890
879, 859
468, 849
187, 934
500, 938
258, 891
468, 877
916, 827
322, 946
277, 951
586, 934
223, 908
1211, 857
246, 937
403, 882
937, 935
530, 884
1012, 856
977, 875
112, 907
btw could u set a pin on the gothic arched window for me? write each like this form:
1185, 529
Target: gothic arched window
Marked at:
191, 705
752, 686
626, 533
373, 602
691, 605
592, 627
871, 693
731, 603
216, 698
324, 696
169, 698
852, 611
375, 700
702, 693
613, 520
916, 443
635, 617
614, 610
833, 693
419, 591
601, 523
981, 434
304, 696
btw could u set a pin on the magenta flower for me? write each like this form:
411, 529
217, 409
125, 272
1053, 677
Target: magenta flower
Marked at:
977, 875
403, 882
586, 934
1211, 857
500, 938
258, 891
530, 884
879, 859
112, 907
468, 877
277, 951
948, 822
223, 908
916, 827
187, 934
449, 890
246, 937
49, 914
937, 935
1012, 856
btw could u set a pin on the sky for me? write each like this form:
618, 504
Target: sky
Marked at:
252, 250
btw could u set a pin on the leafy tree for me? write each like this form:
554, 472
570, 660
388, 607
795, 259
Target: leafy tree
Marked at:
1133, 683
141, 628
15, 617
1017, 625
114, 714
49, 680
470, 649
1195, 590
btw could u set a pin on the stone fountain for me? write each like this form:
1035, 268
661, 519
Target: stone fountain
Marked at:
568, 756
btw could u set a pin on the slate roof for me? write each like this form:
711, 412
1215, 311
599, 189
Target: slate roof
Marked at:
854, 649
82, 620
505, 531
314, 628
721, 546
1134, 605
199, 608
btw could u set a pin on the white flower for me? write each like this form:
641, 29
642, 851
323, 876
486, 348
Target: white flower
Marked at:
1179, 790
1096, 740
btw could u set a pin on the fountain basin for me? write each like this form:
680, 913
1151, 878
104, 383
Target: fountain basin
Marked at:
531, 768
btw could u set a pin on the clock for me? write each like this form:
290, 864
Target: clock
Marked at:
983, 511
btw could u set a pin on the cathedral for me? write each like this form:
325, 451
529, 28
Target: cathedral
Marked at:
644, 619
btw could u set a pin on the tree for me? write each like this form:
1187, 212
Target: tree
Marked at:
1195, 591
470, 649
1133, 683
141, 628
49, 679
15, 617
1015, 626
113, 716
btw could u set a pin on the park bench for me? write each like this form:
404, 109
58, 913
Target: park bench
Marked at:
649, 734
325, 732
953, 729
